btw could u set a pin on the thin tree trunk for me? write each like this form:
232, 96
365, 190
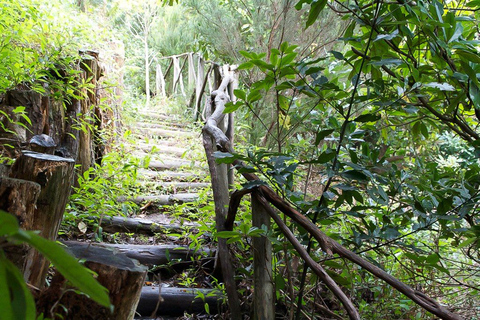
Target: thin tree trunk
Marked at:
263, 297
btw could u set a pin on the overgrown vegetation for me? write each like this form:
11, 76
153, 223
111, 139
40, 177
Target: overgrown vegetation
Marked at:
363, 115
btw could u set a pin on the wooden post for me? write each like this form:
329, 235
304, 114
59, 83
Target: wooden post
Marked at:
55, 176
160, 81
19, 197
230, 133
263, 297
192, 77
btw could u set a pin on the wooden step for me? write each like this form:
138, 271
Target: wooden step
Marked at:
165, 141
157, 132
177, 301
167, 175
148, 255
160, 125
143, 226
164, 199
177, 185
159, 149
170, 164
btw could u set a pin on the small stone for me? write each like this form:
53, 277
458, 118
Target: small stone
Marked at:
42, 143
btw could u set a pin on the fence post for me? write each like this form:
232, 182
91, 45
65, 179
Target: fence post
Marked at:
263, 295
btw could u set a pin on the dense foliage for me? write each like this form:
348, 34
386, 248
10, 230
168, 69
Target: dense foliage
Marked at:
363, 114
381, 137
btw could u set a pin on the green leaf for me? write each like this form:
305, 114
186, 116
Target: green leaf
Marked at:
253, 184
228, 234
223, 157
354, 175
68, 266
386, 62
473, 4
387, 36
5, 303
326, 156
8, 224
315, 8
321, 135
246, 65
469, 56
240, 94
23, 305
474, 94
288, 59
442, 86
370, 117
232, 106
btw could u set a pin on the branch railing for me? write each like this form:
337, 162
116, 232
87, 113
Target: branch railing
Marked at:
215, 138
188, 75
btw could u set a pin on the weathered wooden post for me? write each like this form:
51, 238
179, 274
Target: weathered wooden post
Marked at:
214, 133
55, 176
263, 296
19, 198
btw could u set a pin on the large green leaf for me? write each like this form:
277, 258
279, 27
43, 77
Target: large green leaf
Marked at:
68, 266
5, 302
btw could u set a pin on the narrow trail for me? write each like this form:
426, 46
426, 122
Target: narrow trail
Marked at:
177, 175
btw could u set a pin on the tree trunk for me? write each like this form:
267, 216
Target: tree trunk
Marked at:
264, 305
122, 276
55, 176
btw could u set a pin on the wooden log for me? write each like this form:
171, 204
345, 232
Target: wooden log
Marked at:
162, 125
154, 149
175, 185
172, 164
143, 226
168, 175
177, 301
264, 303
160, 132
146, 254
164, 199
55, 176
122, 276
19, 197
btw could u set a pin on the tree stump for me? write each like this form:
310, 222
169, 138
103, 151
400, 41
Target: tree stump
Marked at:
54, 175
122, 276
18, 197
